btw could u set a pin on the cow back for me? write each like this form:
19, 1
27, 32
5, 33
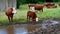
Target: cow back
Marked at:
31, 14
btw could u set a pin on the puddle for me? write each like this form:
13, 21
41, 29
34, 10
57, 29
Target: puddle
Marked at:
3, 31
18, 29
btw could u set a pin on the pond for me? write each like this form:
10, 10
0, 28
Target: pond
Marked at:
48, 26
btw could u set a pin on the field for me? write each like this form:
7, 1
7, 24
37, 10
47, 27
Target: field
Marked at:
21, 14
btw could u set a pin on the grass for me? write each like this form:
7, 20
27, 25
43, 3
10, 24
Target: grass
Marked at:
50, 13
21, 14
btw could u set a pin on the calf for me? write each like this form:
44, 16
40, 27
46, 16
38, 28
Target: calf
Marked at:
32, 15
9, 13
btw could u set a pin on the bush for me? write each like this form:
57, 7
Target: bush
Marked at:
19, 2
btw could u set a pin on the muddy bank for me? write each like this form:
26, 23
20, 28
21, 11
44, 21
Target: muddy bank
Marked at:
39, 22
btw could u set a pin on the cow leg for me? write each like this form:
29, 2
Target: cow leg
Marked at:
42, 10
9, 18
27, 17
33, 20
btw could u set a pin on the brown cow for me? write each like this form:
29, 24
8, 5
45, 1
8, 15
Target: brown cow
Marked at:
49, 4
31, 5
36, 6
46, 4
9, 13
52, 5
32, 15
59, 4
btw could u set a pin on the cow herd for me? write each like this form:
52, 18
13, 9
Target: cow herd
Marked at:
30, 13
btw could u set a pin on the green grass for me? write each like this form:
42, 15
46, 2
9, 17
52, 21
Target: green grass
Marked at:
21, 14
50, 13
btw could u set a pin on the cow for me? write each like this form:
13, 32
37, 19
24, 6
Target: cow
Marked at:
49, 5
31, 14
46, 4
36, 6
9, 13
52, 6
59, 4
31, 5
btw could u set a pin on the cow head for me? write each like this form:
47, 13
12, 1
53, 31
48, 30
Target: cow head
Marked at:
14, 10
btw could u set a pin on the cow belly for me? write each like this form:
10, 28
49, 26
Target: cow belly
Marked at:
8, 14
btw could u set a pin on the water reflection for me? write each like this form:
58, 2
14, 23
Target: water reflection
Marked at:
33, 28
3, 31
10, 30
20, 29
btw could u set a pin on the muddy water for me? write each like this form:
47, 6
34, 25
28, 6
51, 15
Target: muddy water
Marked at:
46, 27
18, 29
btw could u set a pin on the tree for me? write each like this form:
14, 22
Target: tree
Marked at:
18, 4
